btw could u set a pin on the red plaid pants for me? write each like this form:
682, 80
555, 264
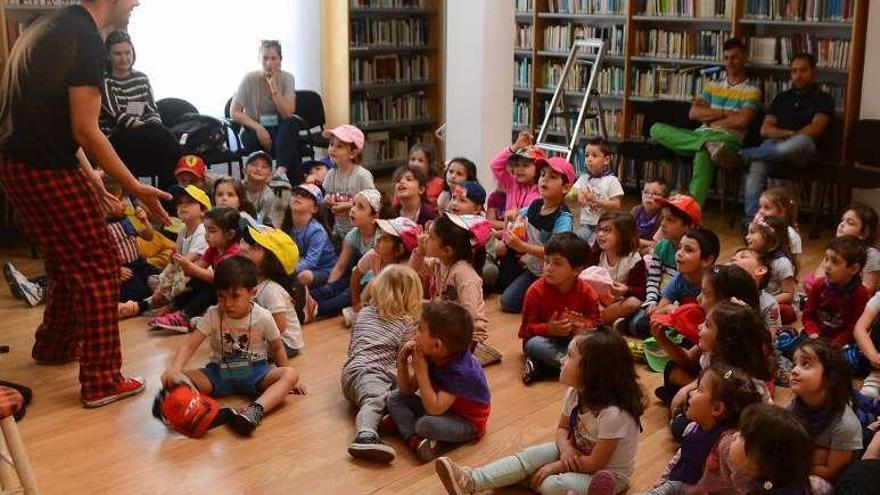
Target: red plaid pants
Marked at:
62, 215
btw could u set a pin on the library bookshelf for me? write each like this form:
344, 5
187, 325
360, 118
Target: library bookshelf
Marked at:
383, 73
658, 47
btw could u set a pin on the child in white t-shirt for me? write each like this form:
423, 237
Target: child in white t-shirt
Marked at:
597, 190
242, 335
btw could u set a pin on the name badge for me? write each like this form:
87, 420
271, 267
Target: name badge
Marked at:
269, 119
235, 369
135, 108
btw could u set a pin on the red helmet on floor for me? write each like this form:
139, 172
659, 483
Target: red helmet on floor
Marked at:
185, 410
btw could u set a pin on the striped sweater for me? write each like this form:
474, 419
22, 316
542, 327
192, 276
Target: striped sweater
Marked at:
115, 99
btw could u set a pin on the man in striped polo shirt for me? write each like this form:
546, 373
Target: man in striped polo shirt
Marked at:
726, 108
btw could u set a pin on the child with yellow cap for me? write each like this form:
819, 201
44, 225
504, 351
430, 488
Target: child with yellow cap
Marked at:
276, 256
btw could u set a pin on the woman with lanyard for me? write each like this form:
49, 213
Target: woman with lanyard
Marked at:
50, 99
130, 118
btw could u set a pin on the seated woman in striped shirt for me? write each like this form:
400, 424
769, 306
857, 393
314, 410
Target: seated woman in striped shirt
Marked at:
130, 119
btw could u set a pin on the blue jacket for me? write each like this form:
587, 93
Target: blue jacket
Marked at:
316, 252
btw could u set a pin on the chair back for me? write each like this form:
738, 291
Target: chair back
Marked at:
671, 112
753, 133
310, 108
172, 109
862, 150
830, 144
227, 114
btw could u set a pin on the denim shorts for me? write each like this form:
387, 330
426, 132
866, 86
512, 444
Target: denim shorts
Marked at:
249, 386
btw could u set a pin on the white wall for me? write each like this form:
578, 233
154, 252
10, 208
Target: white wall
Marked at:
304, 57
870, 108
479, 80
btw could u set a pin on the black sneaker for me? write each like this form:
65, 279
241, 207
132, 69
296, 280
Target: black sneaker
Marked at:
529, 374
369, 447
665, 394
245, 421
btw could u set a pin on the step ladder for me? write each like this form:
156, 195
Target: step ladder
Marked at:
590, 107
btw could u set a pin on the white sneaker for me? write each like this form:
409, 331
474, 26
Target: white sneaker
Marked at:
871, 385
348, 316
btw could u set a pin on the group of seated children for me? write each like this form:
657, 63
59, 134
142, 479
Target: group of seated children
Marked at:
582, 271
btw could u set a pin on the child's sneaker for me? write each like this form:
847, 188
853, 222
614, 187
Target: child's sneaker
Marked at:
21, 287
9, 273
528, 374
311, 312
388, 427
602, 483
369, 447
423, 447
348, 315
871, 385
279, 181
486, 354
456, 479
244, 421
126, 388
174, 320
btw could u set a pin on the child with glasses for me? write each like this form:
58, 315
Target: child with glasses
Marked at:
647, 214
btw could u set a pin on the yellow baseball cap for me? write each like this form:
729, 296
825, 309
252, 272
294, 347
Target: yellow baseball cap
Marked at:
279, 243
192, 191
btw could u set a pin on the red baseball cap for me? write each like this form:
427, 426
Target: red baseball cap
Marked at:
685, 204
533, 153
186, 411
561, 165
685, 319
192, 164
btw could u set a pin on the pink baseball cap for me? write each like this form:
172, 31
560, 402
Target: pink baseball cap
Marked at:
404, 228
561, 165
477, 225
346, 133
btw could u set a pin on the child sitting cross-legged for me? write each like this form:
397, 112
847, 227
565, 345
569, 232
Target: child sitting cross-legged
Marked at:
242, 336
557, 307
370, 371
616, 250
317, 256
597, 433
453, 402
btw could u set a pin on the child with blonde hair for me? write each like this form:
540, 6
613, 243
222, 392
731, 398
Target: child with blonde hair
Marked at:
370, 371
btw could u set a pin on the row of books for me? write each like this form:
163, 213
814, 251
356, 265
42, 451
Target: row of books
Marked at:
801, 10
829, 53
613, 119
687, 8
389, 68
771, 86
42, 3
666, 82
387, 4
695, 45
397, 32
596, 7
369, 110
524, 5
525, 37
382, 146
521, 112
522, 72
560, 37
610, 80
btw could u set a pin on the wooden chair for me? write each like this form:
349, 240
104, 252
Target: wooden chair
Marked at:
14, 462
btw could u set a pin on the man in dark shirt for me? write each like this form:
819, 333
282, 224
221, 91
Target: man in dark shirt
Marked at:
795, 121
49, 106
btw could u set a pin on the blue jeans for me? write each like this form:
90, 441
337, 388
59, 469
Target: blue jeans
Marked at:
513, 296
411, 419
333, 297
798, 150
546, 353
285, 146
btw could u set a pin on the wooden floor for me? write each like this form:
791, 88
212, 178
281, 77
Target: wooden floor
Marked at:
300, 448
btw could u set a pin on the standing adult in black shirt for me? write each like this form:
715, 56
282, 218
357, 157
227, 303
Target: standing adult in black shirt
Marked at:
797, 118
50, 100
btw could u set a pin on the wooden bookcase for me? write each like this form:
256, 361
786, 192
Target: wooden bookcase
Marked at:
380, 79
16, 15
627, 96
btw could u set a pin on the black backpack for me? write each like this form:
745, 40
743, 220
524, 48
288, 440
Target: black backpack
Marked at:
200, 134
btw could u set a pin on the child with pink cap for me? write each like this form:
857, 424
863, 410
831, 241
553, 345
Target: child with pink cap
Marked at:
546, 216
347, 177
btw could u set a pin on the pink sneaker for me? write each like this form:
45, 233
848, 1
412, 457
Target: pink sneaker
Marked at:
172, 321
126, 388
602, 483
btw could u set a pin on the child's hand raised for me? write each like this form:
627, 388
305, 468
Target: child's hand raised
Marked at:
523, 139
